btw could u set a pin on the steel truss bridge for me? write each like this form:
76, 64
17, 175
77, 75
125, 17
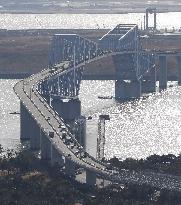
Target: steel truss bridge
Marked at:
48, 131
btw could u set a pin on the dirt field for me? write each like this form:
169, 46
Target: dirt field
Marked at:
26, 52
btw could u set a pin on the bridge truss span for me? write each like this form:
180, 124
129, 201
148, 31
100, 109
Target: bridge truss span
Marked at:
77, 51
49, 132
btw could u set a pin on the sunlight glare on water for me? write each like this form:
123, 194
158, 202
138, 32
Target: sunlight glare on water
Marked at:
151, 125
137, 129
9, 124
83, 21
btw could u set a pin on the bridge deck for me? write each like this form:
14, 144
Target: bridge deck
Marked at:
40, 111
64, 80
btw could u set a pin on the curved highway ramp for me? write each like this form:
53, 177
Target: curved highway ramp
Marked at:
41, 120
50, 134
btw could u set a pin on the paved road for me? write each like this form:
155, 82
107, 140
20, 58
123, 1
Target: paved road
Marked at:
40, 110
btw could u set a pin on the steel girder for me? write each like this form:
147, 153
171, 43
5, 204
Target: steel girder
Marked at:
121, 38
146, 61
77, 50
72, 48
66, 85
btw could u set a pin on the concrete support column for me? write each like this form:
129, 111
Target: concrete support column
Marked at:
46, 147
25, 122
179, 69
80, 130
127, 90
69, 167
155, 19
56, 157
162, 72
146, 19
34, 135
148, 84
90, 178
91, 138
68, 109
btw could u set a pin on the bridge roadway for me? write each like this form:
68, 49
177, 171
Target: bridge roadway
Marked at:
38, 107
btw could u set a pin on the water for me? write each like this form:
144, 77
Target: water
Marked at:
151, 125
137, 129
145, 127
9, 124
54, 21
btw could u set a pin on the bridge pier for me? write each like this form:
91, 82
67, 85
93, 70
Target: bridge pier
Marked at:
162, 72
80, 130
68, 109
127, 90
25, 121
56, 157
179, 69
69, 167
34, 135
148, 84
46, 147
90, 178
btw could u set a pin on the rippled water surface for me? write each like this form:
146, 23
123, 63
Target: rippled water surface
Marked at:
151, 125
137, 129
9, 124
52, 21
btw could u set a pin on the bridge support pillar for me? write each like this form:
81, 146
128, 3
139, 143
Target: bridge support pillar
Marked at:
46, 147
25, 121
90, 178
80, 130
127, 90
56, 157
148, 84
69, 167
179, 69
162, 72
34, 135
68, 109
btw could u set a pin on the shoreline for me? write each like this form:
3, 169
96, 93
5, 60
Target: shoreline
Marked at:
90, 12
25, 52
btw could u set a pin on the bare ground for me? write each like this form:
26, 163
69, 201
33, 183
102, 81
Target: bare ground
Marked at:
27, 51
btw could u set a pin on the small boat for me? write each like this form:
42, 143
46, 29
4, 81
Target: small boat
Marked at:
89, 118
105, 97
14, 113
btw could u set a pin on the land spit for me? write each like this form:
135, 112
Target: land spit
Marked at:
24, 52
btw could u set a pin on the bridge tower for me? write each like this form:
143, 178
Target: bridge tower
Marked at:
150, 11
